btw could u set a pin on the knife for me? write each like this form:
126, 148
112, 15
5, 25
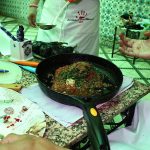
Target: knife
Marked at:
28, 68
26, 63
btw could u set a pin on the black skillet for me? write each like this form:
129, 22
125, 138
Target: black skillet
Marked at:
96, 132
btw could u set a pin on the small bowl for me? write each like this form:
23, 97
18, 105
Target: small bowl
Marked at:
45, 26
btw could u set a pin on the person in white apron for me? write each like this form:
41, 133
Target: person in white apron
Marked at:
77, 25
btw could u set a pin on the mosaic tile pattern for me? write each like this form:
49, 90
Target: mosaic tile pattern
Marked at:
111, 10
17, 9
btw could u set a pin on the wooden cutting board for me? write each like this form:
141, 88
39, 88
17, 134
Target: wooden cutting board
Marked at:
13, 76
15, 87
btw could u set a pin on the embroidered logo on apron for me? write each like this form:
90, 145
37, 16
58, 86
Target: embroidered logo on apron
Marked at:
80, 17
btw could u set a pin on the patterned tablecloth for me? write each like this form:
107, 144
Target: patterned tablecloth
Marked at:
68, 136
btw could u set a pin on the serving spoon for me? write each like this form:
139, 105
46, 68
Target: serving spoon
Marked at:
45, 26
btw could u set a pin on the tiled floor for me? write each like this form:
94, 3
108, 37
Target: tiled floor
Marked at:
139, 71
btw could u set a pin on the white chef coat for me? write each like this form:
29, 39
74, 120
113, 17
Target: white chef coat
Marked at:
78, 25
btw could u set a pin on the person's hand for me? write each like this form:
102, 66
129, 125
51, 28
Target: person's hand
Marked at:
18, 142
134, 47
32, 16
147, 33
27, 142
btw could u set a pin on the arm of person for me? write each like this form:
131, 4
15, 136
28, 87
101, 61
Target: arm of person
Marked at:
36, 2
32, 13
27, 142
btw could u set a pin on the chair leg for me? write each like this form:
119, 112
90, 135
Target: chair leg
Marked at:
114, 42
134, 58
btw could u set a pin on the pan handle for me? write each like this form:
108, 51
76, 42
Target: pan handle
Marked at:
96, 131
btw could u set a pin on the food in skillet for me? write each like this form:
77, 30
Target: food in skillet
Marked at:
80, 79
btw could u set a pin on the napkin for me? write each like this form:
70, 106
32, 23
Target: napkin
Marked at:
127, 83
64, 114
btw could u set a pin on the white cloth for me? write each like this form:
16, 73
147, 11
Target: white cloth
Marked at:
64, 114
78, 25
136, 136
